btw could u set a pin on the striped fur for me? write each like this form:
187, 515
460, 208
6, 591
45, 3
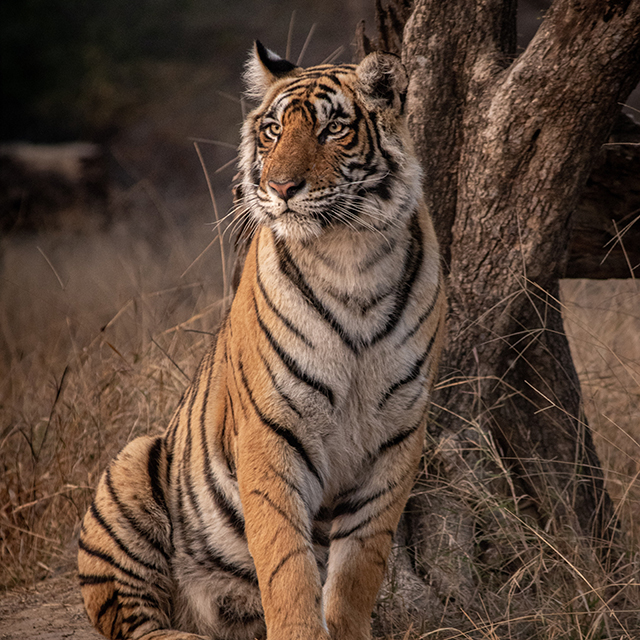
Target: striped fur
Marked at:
268, 507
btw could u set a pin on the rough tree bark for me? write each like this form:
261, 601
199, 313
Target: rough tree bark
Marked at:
507, 143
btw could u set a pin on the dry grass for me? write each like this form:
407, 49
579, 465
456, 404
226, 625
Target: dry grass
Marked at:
514, 580
602, 320
494, 574
98, 337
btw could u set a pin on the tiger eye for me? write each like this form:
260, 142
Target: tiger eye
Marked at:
273, 129
335, 127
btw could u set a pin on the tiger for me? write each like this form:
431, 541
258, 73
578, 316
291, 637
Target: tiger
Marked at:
268, 507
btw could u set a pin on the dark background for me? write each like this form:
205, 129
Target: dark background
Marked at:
144, 78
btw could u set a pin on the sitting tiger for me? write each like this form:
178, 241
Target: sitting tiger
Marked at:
269, 506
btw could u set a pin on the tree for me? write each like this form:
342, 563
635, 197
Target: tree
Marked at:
507, 143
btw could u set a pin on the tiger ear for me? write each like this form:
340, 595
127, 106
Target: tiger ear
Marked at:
383, 81
263, 68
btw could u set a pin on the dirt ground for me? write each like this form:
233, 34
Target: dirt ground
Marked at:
50, 610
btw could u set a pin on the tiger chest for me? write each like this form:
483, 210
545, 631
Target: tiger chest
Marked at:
378, 396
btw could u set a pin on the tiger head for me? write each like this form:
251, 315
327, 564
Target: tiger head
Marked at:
328, 147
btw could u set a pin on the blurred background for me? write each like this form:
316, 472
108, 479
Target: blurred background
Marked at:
141, 81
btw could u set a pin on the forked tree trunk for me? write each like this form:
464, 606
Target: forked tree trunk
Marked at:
507, 143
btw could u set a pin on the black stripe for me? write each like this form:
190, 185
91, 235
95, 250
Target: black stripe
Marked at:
106, 605
276, 311
142, 597
228, 456
234, 424
321, 95
413, 262
421, 391
410, 377
290, 362
86, 579
425, 314
231, 515
276, 386
360, 117
113, 627
319, 537
283, 561
363, 305
355, 139
385, 250
169, 468
280, 511
240, 400
185, 479
231, 613
339, 535
382, 189
172, 429
148, 536
109, 560
140, 592
292, 272
288, 483
350, 507
281, 431
136, 620
393, 165
223, 434
123, 547
212, 559
324, 514
153, 469
186, 469
221, 564
311, 113
398, 439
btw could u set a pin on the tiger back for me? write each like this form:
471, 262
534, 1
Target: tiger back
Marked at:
269, 505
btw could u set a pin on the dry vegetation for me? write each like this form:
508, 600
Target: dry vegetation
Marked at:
602, 320
98, 337
530, 582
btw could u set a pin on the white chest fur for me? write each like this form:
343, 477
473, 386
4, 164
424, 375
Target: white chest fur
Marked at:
359, 299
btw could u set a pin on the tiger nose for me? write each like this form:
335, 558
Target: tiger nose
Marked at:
286, 189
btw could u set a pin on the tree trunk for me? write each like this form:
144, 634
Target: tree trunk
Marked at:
506, 144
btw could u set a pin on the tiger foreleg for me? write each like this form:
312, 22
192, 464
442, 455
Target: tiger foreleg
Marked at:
273, 489
125, 548
361, 537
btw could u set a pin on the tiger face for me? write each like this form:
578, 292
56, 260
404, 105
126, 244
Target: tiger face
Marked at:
328, 147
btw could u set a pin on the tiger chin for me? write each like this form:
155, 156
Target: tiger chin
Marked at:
268, 507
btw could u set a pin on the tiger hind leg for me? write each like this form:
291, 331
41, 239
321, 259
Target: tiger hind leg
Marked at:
125, 548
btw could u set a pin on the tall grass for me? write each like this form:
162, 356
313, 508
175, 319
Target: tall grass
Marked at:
493, 572
98, 338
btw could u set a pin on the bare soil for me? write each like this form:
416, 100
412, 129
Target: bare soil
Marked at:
50, 610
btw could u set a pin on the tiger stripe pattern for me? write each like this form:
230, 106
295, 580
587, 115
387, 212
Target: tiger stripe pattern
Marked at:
269, 505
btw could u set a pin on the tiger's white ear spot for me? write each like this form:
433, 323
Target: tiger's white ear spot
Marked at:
263, 68
383, 81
